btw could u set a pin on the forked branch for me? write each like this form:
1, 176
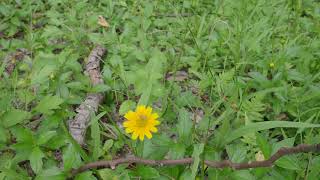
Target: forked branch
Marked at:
303, 148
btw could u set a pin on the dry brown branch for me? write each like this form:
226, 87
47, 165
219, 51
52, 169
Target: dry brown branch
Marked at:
78, 126
303, 148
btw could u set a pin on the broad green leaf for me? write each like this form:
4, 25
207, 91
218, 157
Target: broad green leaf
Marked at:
43, 75
289, 142
288, 162
264, 145
14, 116
236, 152
95, 135
71, 158
151, 74
36, 159
107, 174
126, 106
3, 135
87, 175
184, 126
45, 137
177, 151
100, 88
146, 172
197, 151
48, 103
51, 173
259, 126
242, 175
107, 145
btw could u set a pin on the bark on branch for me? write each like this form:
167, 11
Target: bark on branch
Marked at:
78, 126
303, 148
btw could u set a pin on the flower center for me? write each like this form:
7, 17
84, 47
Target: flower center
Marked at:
142, 120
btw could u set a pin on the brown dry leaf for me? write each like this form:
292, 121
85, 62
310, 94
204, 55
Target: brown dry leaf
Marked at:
180, 76
259, 156
103, 22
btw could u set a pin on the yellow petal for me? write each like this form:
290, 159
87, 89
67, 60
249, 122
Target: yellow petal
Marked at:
148, 134
126, 124
141, 109
148, 111
129, 130
153, 129
141, 136
134, 135
155, 122
154, 116
131, 116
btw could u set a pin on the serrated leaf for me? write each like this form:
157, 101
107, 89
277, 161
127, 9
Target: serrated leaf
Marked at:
288, 162
184, 126
71, 158
36, 159
45, 137
147, 172
236, 152
48, 103
197, 151
14, 116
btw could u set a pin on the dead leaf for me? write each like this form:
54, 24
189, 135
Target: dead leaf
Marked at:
180, 76
259, 156
103, 22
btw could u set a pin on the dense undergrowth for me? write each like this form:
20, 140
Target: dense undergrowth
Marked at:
207, 68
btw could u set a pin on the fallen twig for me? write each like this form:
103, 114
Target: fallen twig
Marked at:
303, 148
78, 126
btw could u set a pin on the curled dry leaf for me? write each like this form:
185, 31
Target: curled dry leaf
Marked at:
259, 156
103, 22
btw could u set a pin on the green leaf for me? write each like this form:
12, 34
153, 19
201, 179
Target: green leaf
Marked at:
71, 158
197, 150
288, 162
100, 88
107, 174
184, 126
147, 172
48, 103
264, 145
45, 137
107, 145
236, 152
14, 116
85, 176
51, 173
41, 76
95, 135
152, 73
242, 175
177, 151
36, 160
259, 126
126, 106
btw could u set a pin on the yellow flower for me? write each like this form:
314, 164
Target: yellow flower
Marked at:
141, 122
